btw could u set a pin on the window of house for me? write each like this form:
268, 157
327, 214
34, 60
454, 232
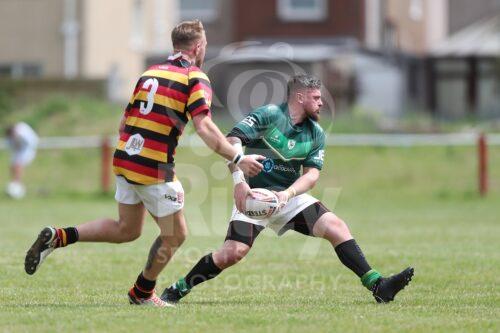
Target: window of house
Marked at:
302, 10
204, 10
20, 70
416, 10
390, 36
5, 70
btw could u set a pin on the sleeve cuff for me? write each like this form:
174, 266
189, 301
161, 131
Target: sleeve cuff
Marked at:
312, 166
236, 132
198, 111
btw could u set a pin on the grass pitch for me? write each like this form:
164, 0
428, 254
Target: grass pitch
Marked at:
415, 206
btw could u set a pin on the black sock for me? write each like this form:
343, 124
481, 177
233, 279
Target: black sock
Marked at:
143, 288
204, 270
72, 235
351, 256
66, 236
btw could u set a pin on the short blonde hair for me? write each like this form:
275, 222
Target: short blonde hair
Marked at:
186, 33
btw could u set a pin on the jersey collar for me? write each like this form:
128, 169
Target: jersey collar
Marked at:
180, 59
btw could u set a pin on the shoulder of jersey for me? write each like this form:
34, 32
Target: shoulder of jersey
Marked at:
272, 109
196, 72
167, 67
317, 128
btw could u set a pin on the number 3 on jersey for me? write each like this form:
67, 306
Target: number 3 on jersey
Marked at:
151, 84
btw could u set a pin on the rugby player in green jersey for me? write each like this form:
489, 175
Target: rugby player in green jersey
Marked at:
291, 139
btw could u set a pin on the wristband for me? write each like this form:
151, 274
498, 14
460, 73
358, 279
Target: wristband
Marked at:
239, 151
238, 177
237, 158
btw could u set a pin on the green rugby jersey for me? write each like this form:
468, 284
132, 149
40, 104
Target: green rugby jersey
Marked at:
268, 131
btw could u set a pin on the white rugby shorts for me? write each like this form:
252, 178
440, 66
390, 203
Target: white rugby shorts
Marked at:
278, 220
159, 199
24, 156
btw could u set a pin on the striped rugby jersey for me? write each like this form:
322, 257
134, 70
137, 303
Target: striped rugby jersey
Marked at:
166, 96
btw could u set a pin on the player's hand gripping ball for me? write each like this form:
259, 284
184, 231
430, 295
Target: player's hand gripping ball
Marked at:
262, 205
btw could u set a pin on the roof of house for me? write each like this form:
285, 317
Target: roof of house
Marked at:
270, 50
478, 39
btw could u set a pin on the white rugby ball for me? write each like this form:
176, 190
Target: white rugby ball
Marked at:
262, 205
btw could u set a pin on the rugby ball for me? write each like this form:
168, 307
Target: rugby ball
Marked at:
262, 205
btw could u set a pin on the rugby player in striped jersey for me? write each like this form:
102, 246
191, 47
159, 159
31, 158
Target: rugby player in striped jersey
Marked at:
165, 98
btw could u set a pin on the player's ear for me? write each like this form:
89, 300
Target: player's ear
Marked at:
197, 48
300, 97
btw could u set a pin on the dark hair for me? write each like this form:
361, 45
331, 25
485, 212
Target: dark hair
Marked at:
186, 33
301, 82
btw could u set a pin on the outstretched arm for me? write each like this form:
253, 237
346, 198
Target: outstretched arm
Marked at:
215, 140
241, 188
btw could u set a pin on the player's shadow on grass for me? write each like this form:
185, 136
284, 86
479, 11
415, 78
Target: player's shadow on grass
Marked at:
64, 305
218, 302
309, 302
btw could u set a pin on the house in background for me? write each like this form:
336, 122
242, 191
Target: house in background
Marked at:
464, 72
230, 21
463, 13
349, 44
84, 39
447, 51
384, 55
263, 42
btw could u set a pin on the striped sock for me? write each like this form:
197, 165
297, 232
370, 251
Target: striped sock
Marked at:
144, 288
66, 236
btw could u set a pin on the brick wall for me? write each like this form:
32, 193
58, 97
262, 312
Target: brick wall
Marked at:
259, 18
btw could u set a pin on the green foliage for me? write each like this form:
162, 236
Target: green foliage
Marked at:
357, 120
47, 110
6, 105
66, 116
60, 115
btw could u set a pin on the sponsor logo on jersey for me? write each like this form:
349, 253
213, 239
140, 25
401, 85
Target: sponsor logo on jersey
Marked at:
207, 95
275, 138
134, 144
267, 165
291, 144
284, 168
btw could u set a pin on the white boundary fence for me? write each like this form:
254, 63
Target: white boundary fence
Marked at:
380, 140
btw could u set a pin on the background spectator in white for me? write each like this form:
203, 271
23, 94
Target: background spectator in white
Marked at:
22, 141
